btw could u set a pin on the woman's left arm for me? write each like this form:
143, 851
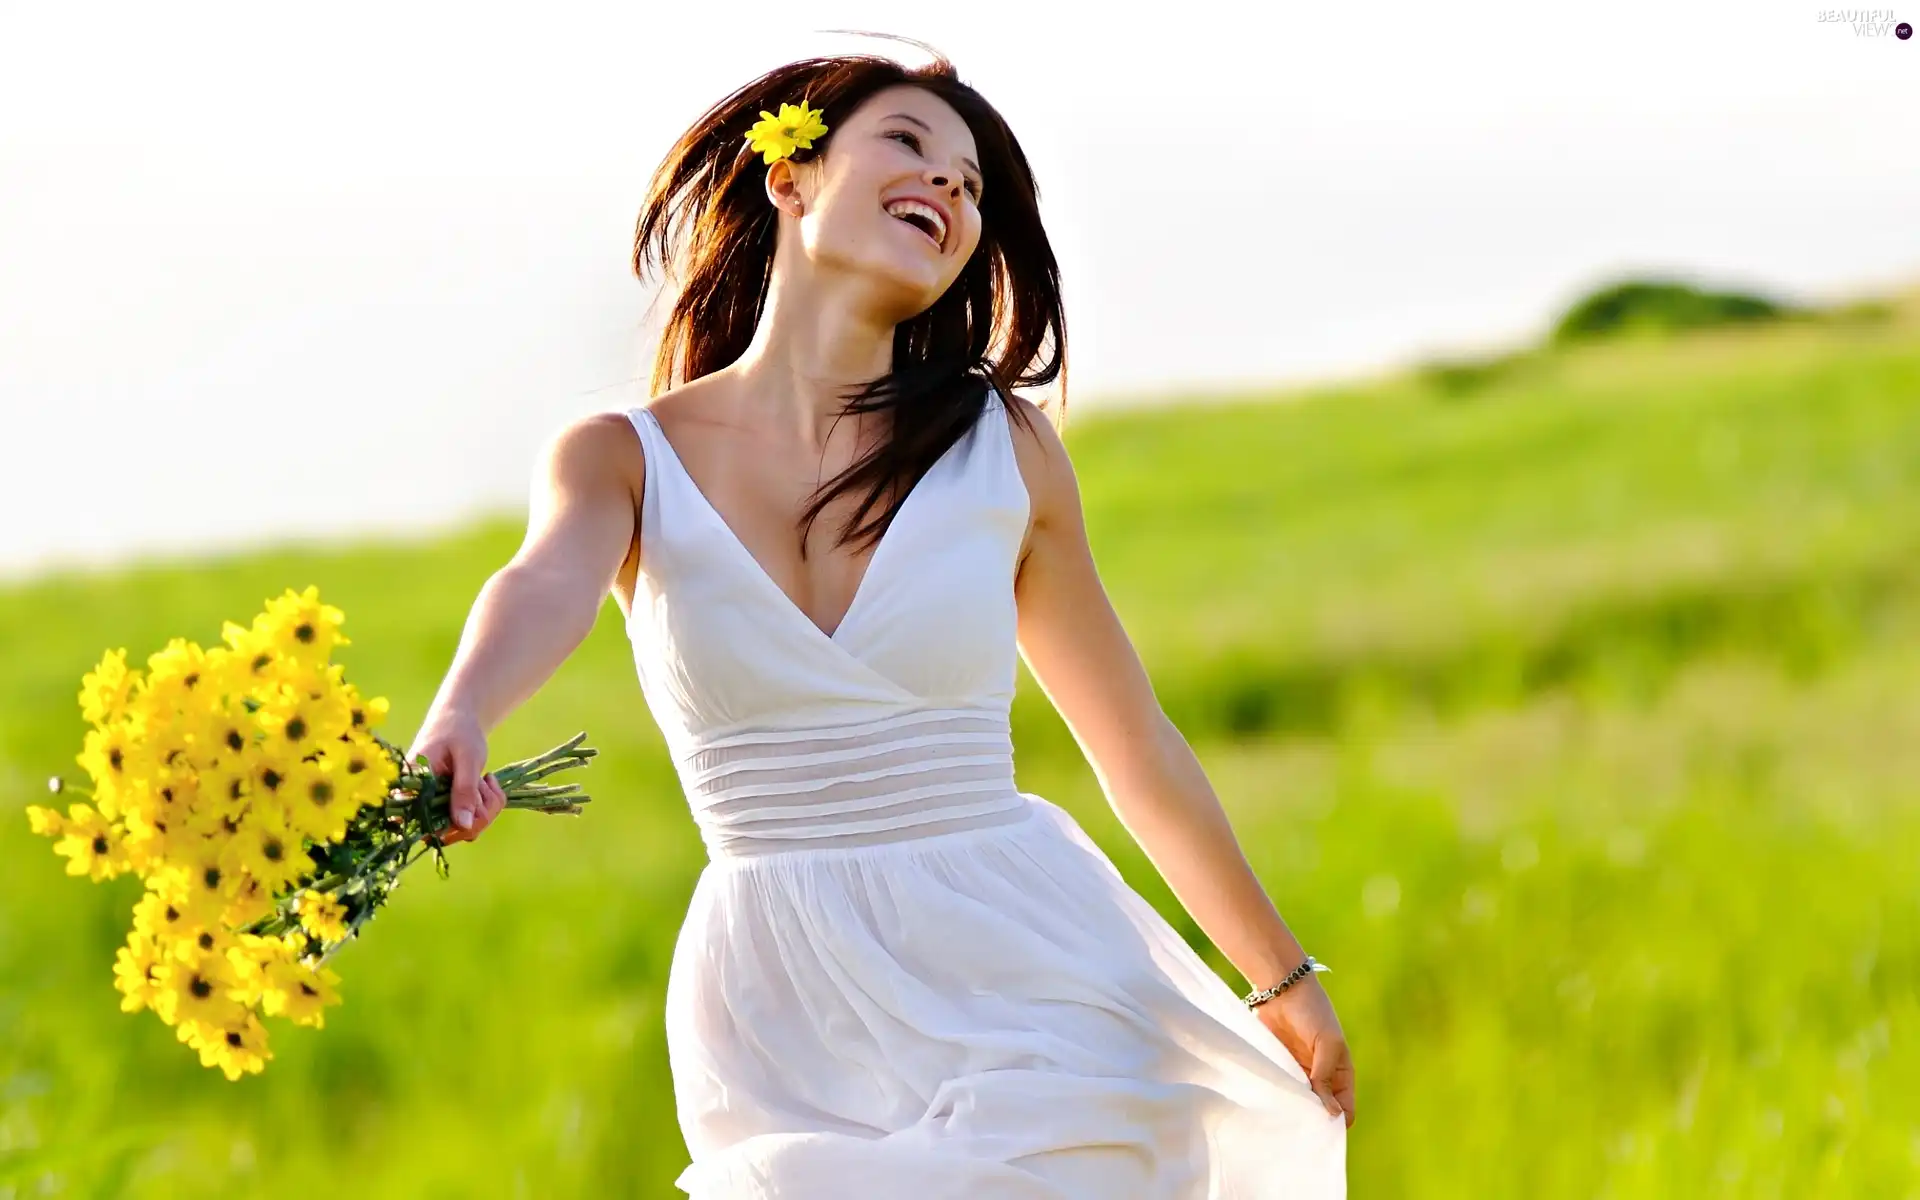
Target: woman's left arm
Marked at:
1080, 655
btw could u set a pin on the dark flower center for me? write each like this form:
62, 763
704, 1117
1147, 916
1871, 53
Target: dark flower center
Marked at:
234, 740
296, 729
303, 631
212, 878
233, 1038
321, 793
200, 988
115, 758
206, 940
272, 850
101, 845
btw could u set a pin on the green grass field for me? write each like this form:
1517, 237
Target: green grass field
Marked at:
1572, 718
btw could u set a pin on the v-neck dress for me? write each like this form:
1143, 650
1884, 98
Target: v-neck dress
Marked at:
899, 976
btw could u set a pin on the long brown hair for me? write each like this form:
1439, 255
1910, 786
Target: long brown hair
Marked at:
707, 226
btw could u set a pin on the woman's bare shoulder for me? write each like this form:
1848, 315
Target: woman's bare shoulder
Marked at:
1038, 448
596, 448
601, 451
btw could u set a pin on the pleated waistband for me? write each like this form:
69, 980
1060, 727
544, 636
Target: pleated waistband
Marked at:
903, 777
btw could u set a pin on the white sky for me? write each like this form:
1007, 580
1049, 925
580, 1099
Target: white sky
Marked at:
221, 223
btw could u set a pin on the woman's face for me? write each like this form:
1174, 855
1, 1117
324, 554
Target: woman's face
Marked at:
895, 197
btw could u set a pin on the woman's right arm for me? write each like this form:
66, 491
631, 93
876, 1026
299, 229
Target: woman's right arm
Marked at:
534, 611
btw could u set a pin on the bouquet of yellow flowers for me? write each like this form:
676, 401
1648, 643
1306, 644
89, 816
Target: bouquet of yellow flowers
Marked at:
246, 787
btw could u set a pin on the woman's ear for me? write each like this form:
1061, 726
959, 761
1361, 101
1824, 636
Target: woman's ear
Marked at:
783, 188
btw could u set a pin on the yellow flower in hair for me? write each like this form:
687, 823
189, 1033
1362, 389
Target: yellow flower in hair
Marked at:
777, 137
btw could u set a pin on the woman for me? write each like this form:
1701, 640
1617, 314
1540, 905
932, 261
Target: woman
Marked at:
899, 976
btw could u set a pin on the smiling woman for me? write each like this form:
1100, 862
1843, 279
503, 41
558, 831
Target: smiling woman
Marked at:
899, 975
983, 307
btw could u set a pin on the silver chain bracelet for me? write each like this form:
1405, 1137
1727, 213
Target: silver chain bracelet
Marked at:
1256, 999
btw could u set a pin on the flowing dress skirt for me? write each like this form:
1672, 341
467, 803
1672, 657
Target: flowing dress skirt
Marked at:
990, 1013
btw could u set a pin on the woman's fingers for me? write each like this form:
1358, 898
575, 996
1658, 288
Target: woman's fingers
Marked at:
1332, 1078
463, 800
493, 801
490, 800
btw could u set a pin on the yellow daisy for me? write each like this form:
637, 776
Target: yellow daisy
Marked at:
776, 137
157, 823
136, 971
163, 920
363, 712
223, 797
113, 758
368, 770
251, 901
230, 734
227, 671
47, 822
256, 653
199, 882
300, 721
91, 844
269, 769
177, 677
318, 803
323, 916
300, 993
208, 940
251, 956
266, 848
305, 628
196, 991
238, 1047
106, 690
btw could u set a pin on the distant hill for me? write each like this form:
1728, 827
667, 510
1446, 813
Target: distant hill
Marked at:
1656, 307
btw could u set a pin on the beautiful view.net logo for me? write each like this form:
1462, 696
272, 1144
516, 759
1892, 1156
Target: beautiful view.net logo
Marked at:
1867, 22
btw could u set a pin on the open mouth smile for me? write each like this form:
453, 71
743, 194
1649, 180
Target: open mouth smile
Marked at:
924, 217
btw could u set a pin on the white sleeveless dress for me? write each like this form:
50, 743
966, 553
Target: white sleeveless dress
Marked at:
900, 978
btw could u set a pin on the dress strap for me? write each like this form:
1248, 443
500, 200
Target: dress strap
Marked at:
652, 522
1004, 460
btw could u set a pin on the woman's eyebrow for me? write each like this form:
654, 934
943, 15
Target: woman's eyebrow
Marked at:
922, 124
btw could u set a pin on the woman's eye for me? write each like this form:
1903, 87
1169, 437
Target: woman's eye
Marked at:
908, 138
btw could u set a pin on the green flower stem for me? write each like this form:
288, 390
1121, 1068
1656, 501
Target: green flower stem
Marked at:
383, 840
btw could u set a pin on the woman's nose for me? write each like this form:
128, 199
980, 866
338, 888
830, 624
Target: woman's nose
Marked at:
946, 181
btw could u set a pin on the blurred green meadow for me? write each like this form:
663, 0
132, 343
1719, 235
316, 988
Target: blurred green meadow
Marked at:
1566, 703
